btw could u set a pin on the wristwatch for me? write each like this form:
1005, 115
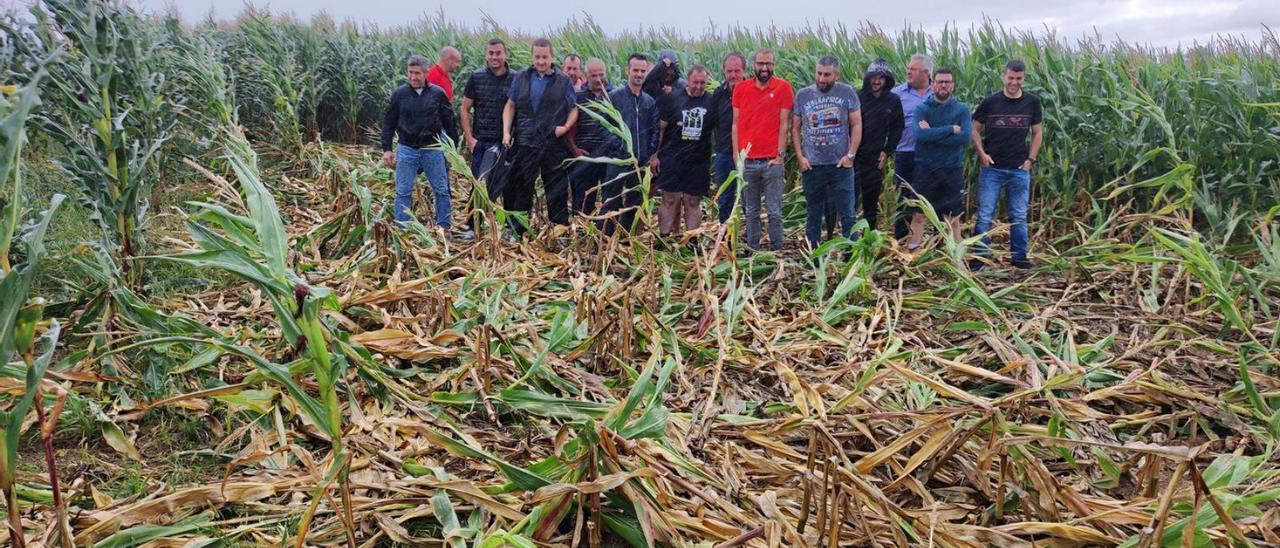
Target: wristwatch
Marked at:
850, 155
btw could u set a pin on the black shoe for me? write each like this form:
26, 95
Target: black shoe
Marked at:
976, 265
1023, 264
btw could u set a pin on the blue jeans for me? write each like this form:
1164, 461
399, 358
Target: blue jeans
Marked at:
409, 162
827, 190
724, 163
1016, 185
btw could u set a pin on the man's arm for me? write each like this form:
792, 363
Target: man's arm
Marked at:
464, 115
964, 135
568, 122
390, 120
1037, 138
897, 123
509, 117
855, 137
797, 140
784, 125
448, 120
984, 159
655, 133
734, 132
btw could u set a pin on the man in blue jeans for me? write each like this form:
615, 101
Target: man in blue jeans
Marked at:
418, 114
826, 130
1000, 128
732, 67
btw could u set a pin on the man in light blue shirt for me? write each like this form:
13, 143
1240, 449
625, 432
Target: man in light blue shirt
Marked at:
913, 93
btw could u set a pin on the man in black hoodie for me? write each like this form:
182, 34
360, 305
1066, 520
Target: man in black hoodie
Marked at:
664, 77
882, 124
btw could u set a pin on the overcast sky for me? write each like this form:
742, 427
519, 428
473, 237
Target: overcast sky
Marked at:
1156, 22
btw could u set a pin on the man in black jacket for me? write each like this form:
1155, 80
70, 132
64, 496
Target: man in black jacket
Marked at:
882, 124
419, 113
486, 93
640, 114
540, 109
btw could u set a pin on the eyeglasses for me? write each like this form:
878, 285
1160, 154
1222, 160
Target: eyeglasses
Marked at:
945, 82
763, 64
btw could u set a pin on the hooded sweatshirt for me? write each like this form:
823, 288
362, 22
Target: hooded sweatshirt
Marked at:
654, 82
939, 146
882, 120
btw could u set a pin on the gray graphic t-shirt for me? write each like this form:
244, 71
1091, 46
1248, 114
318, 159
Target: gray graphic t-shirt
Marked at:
824, 122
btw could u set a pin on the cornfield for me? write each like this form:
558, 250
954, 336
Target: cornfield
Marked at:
225, 340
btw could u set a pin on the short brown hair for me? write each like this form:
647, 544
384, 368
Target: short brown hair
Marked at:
540, 43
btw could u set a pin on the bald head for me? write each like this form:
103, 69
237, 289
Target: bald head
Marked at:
595, 75
450, 58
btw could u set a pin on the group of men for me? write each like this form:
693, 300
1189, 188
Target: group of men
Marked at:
532, 122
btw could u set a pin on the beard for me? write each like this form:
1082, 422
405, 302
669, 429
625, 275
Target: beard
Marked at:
763, 76
825, 87
942, 96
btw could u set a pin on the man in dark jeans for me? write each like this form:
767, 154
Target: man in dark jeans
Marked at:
486, 94
1000, 128
882, 124
419, 113
825, 132
589, 139
540, 110
943, 128
911, 93
640, 114
732, 68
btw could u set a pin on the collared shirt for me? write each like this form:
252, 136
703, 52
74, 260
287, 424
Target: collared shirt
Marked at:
538, 84
440, 77
910, 100
588, 134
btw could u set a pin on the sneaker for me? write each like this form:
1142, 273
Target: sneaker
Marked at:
1023, 264
976, 265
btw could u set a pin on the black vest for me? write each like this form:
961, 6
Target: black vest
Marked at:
490, 95
538, 130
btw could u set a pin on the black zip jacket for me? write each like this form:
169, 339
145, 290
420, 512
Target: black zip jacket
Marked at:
882, 122
418, 118
640, 113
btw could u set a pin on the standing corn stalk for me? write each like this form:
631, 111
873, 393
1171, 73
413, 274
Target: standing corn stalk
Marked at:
21, 315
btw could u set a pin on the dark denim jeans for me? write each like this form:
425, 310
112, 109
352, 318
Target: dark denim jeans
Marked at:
828, 190
1016, 185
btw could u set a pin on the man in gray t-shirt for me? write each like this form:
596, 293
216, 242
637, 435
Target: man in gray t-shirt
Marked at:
826, 130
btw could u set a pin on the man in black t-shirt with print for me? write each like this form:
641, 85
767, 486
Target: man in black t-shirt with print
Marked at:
687, 119
1000, 128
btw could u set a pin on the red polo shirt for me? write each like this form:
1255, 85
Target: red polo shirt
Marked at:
440, 77
759, 119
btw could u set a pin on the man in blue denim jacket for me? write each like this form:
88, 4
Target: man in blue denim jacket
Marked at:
1000, 128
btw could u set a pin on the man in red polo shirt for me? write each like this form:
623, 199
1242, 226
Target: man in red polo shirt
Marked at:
448, 61
761, 116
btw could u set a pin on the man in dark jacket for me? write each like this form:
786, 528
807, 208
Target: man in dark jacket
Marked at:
540, 109
640, 114
882, 124
732, 68
419, 113
664, 77
486, 94
589, 139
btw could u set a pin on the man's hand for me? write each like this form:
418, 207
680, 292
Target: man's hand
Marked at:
1026, 164
471, 143
883, 158
507, 141
389, 159
561, 130
578, 152
985, 159
924, 124
955, 130
804, 162
779, 160
845, 161
655, 165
